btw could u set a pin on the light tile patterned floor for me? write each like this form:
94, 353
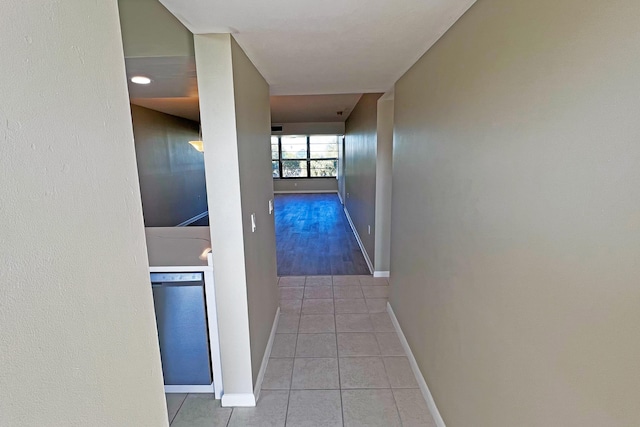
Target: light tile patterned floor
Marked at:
336, 361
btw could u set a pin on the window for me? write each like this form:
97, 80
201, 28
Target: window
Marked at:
275, 157
300, 156
323, 150
294, 156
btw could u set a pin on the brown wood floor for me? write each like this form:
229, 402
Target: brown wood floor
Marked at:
313, 237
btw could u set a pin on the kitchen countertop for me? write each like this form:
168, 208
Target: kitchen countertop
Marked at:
177, 246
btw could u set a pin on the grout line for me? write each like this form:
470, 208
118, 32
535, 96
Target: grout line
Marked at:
340, 389
335, 322
387, 373
286, 414
230, 416
179, 407
393, 396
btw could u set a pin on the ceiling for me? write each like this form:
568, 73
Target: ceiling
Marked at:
312, 108
174, 86
318, 57
174, 90
305, 47
187, 108
171, 77
284, 109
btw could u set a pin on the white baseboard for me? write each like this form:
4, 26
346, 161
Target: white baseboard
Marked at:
265, 358
381, 273
305, 192
194, 219
238, 400
355, 232
340, 197
426, 393
188, 388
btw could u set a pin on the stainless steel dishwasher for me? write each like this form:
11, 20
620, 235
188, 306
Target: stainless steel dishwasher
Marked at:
181, 316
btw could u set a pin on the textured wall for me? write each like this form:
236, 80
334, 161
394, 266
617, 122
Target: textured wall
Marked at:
78, 342
516, 227
171, 171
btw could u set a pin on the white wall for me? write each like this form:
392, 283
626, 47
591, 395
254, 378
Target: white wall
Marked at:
516, 214
234, 107
78, 340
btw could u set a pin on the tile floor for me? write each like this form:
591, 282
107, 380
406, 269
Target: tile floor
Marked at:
336, 361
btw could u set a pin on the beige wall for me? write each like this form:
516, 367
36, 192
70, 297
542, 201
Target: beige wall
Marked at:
366, 175
340, 171
313, 128
253, 120
78, 342
171, 171
360, 168
305, 185
516, 214
384, 162
234, 106
150, 30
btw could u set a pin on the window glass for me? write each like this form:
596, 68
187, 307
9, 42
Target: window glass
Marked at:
323, 146
323, 167
274, 148
301, 156
294, 168
294, 147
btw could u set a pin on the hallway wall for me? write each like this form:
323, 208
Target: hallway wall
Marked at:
384, 163
253, 121
234, 107
78, 340
515, 234
171, 171
360, 168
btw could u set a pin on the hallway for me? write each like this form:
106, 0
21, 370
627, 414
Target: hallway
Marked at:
313, 237
336, 361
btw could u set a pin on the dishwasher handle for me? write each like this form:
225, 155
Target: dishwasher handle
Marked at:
176, 277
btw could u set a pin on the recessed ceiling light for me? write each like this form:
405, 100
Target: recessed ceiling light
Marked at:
141, 80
